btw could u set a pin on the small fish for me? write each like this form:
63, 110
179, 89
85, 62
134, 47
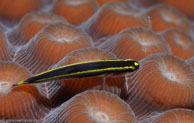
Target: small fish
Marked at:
84, 69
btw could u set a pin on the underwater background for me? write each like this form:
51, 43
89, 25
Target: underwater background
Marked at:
38, 35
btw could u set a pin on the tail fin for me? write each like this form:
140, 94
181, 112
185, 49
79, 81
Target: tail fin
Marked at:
19, 83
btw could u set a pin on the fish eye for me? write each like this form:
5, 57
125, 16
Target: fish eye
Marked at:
136, 63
